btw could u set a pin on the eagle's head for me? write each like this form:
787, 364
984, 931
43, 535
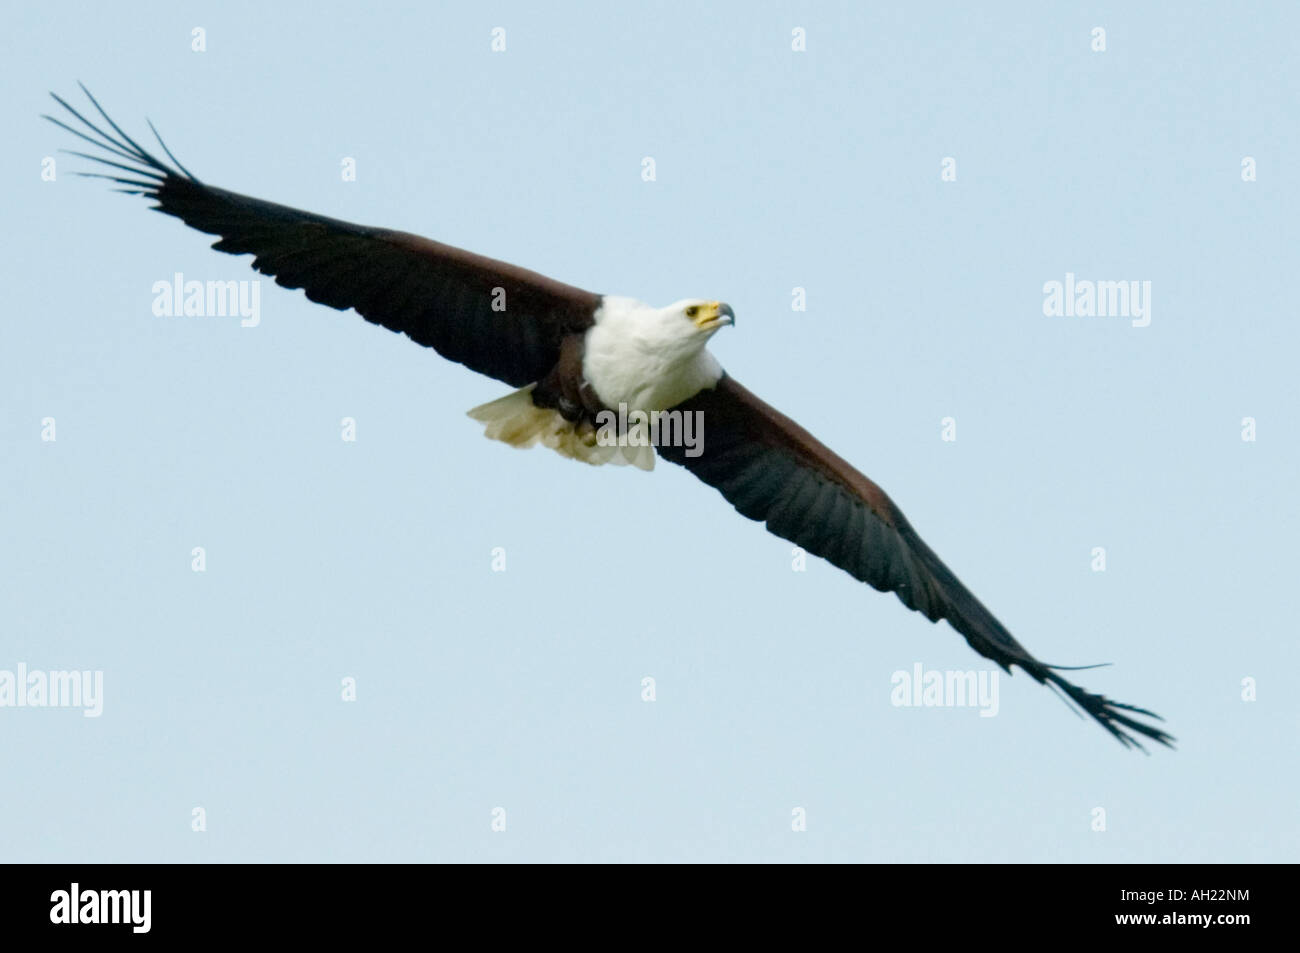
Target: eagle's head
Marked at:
677, 333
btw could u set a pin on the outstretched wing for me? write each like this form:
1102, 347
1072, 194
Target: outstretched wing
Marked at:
771, 469
492, 317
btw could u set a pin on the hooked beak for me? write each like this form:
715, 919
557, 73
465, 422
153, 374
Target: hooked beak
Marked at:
714, 315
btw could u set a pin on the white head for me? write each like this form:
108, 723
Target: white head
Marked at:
685, 326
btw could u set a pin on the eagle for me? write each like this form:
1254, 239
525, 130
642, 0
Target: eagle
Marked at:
588, 371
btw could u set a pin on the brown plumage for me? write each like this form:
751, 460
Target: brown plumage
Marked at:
771, 469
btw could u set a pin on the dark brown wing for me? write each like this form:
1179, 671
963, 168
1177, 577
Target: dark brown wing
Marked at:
492, 317
773, 470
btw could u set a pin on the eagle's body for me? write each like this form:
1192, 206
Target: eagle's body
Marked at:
574, 358
633, 358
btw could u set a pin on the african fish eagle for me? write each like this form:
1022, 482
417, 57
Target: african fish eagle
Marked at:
576, 357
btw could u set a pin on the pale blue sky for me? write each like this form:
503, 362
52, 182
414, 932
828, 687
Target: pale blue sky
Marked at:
522, 689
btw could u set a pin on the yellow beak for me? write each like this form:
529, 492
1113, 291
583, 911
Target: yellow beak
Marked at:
713, 315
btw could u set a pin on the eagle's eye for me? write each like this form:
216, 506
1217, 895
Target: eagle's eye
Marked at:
692, 311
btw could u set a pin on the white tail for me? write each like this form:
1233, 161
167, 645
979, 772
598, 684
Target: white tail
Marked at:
516, 420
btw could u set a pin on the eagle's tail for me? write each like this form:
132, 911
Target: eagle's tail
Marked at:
514, 419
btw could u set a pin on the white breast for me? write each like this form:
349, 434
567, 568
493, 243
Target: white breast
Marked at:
645, 357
